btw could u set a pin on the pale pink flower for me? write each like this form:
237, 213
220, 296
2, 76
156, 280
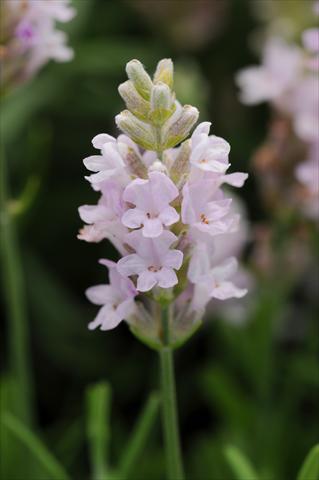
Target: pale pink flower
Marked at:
205, 208
209, 153
209, 158
104, 219
162, 206
116, 299
211, 281
110, 164
154, 262
152, 200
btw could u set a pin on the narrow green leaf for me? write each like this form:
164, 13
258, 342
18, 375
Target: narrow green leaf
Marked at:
36, 448
240, 465
310, 467
98, 427
138, 439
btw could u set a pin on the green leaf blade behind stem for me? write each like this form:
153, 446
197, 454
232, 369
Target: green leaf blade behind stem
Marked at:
310, 467
240, 465
16, 305
139, 436
98, 399
41, 455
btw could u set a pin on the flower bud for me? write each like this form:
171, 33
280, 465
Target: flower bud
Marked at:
181, 166
162, 103
138, 131
158, 166
142, 81
164, 72
133, 100
175, 132
132, 160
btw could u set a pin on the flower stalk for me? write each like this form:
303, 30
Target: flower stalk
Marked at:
169, 404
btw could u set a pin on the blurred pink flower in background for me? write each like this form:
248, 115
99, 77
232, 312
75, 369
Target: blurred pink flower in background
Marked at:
288, 79
30, 37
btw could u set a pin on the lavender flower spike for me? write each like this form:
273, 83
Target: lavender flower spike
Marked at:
162, 205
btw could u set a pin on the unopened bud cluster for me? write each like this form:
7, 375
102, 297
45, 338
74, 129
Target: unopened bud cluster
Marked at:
162, 206
153, 119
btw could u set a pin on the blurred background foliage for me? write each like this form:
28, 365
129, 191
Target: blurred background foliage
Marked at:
252, 384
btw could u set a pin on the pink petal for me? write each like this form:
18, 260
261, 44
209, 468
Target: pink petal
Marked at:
95, 163
107, 318
227, 290
99, 140
114, 159
226, 269
199, 264
92, 213
201, 129
217, 210
169, 216
152, 228
146, 281
101, 294
134, 218
236, 179
131, 265
126, 308
163, 189
218, 145
167, 278
101, 176
137, 193
173, 259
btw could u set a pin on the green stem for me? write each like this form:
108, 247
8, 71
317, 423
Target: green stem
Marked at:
13, 286
169, 406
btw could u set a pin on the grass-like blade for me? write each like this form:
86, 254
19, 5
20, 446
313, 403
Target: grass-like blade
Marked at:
139, 437
310, 467
98, 427
240, 465
35, 446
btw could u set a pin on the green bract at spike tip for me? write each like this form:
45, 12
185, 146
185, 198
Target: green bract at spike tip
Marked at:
138, 131
177, 130
135, 103
162, 103
140, 78
165, 72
